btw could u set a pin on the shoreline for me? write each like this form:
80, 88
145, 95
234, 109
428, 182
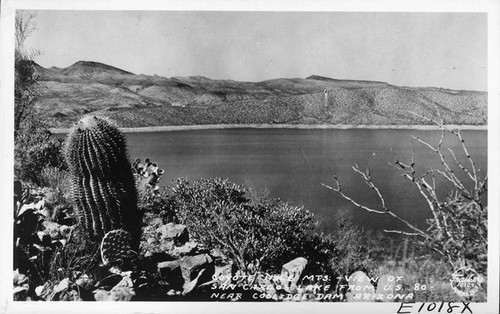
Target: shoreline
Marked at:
173, 128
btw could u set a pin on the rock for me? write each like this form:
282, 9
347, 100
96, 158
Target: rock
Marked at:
360, 288
26, 208
45, 239
44, 291
84, 281
109, 281
217, 253
40, 204
65, 231
187, 248
52, 229
291, 272
21, 286
20, 279
176, 233
156, 221
61, 286
20, 293
68, 295
123, 291
171, 272
191, 265
190, 285
223, 274
385, 287
63, 292
188, 272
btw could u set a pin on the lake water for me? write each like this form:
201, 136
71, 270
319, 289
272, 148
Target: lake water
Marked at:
292, 164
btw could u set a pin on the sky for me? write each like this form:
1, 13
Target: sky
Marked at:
446, 50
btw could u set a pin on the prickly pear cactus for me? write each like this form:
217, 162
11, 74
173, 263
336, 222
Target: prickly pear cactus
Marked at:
115, 247
103, 186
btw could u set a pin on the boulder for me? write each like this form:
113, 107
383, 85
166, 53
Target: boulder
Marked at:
64, 292
385, 287
176, 233
123, 291
188, 272
52, 229
43, 291
291, 272
192, 265
223, 274
186, 249
20, 293
170, 271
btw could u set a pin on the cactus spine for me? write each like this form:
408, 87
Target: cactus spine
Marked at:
103, 186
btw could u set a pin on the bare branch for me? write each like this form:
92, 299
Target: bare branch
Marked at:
338, 190
401, 232
473, 165
386, 210
459, 164
449, 174
368, 180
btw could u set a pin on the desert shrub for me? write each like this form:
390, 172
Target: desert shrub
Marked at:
157, 204
26, 77
349, 254
34, 151
262, 235
319, 250
56, 178
80, 255
460, 231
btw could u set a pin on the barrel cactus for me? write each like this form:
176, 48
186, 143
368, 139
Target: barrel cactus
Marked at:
102, 183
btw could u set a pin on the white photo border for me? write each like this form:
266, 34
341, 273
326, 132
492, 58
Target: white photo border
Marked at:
8, 9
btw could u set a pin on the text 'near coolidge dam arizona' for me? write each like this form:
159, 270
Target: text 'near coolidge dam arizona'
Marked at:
136, 187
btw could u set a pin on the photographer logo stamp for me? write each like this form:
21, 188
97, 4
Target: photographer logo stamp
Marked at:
465, 281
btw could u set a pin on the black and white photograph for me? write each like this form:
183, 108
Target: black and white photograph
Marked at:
221, 157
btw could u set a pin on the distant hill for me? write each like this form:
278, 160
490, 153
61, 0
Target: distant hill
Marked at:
143, 100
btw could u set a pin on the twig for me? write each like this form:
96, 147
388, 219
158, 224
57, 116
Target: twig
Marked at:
386, 211
402, 232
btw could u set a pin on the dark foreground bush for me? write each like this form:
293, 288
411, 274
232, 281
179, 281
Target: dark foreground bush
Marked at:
256, 235
36, 150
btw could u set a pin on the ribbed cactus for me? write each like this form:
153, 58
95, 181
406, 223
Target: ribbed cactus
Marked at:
103, 186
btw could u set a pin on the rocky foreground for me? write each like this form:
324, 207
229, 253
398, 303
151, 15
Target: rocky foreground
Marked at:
173, 267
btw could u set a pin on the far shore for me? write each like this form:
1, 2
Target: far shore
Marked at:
172, 128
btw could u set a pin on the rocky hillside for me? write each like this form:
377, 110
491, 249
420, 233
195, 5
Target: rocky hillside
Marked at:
142, 100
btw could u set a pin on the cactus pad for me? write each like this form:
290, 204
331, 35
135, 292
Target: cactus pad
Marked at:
115, 247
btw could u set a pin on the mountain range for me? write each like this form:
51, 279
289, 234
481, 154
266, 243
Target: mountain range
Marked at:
137, 100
